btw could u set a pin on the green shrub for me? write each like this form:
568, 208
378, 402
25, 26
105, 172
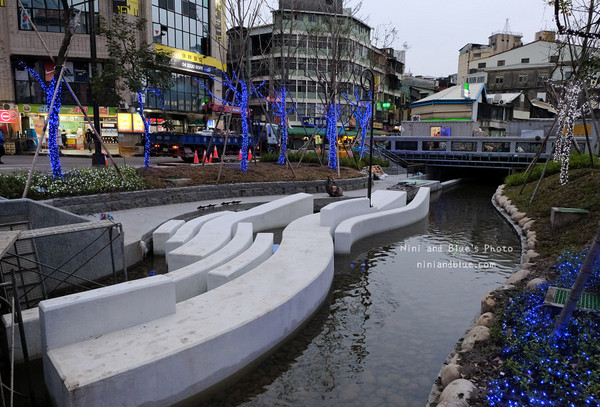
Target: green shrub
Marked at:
83, 181
576, 161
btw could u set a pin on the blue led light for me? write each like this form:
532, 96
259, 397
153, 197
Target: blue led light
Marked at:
53, 120
540, 368
238, 88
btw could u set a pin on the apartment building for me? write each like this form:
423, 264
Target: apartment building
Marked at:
192, 30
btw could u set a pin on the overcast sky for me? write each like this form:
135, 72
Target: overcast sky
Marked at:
436, 29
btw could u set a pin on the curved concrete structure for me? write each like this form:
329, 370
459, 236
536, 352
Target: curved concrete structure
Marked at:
190, 281
188, 230
163, 233
258, 253
353, 229
217, 232
209, 338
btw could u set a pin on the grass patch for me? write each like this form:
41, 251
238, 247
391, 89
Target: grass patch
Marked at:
582, 191
576, 161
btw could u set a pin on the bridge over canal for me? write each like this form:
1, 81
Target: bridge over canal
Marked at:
497, 153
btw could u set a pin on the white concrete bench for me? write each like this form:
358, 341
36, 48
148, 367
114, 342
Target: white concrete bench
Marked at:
31, 325
257, 253
336, 212
190, 229
384, 200
163, 233
91, 314
217, 232
210, 337
353, 229
191, 280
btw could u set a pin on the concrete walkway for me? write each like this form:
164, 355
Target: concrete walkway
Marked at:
139, 223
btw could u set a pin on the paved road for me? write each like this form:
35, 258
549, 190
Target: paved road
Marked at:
71, 159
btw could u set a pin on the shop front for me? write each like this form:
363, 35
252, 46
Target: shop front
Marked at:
72, 126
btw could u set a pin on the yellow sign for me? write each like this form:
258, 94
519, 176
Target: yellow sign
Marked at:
138, 124
130, 7
179, 55
124, 123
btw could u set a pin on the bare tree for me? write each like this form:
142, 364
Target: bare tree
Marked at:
579, 23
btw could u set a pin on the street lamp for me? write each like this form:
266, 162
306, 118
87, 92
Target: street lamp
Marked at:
97, 158
367, 82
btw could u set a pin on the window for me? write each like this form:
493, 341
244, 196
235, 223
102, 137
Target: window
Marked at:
554, 58
47, 15
185, 24
523, 78
477, 55
499, 79
524, 60
542, 79
501, 62
481, 65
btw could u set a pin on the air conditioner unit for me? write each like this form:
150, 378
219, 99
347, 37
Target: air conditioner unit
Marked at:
415, 118
123, 106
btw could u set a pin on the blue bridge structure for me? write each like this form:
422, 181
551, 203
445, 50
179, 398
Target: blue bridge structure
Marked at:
498, 153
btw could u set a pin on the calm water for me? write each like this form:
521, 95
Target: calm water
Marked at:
397, 307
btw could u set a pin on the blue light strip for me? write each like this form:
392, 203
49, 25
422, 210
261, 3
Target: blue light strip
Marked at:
53, 120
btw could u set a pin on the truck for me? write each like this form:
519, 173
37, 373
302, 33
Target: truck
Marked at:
186, 145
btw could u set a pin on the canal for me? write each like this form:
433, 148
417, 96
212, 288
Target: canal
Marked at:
398, 304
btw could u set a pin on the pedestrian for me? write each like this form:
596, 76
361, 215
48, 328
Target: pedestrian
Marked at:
63, 138
2, 151
89, 138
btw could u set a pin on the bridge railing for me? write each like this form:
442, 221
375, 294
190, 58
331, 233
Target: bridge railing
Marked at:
504, 149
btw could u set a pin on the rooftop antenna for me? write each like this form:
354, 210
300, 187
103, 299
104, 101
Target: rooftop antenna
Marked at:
506, 29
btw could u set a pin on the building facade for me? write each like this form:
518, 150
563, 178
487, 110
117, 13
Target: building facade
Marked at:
192, 30
497, 42
319, 51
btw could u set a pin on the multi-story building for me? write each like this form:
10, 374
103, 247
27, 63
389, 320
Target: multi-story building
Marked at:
299, 51
525, 70
192, 30
497, 42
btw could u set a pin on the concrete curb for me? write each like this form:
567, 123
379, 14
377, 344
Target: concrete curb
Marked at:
90, 204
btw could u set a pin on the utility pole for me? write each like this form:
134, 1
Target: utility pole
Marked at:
97, 158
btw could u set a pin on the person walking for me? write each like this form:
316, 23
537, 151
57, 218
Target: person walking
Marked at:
89, 139
2, 150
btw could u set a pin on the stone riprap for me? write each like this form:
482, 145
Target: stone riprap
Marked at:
258, 253
353, 229
217, 232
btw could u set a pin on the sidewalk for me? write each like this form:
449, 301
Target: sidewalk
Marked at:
139, 223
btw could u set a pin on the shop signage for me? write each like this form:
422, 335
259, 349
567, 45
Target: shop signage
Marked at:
319, 122
138, 124
190, 61
130, 123
130, 7
9, 116
67, 110
124, 122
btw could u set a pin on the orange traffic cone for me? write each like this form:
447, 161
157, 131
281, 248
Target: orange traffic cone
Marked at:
240, 156
249, 154
210, 159
215, 154
204, 156
105, 160
196, 160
